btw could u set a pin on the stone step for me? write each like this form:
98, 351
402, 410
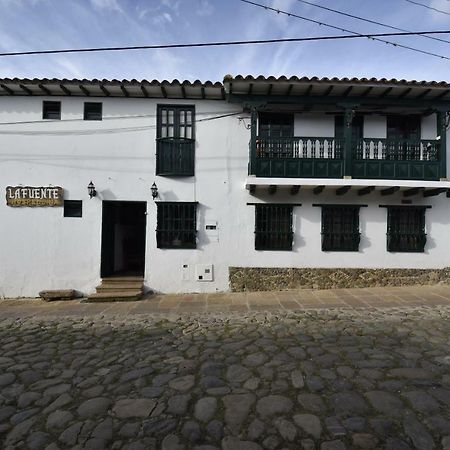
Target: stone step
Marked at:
116, 296
125, 286
122, 279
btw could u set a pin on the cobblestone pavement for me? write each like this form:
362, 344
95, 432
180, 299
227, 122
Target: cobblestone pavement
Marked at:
330, 378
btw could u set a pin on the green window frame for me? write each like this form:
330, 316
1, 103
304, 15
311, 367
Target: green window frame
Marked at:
93, 111
340, 228
176, 225
273, 227
406, 229
51, 110
175, 140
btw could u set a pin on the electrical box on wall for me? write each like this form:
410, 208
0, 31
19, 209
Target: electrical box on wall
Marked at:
212, 230
204, 272
185, 272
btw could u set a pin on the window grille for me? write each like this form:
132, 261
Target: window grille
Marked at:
73, 208
92, 111
51, 110
175, 140
176, 225
273, 227
340, 228
406, 229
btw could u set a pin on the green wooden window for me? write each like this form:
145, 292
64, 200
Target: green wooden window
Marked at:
403, 127
175, 140
276, 125
406, 229
51, 110
93, 110
340, 228
176, 225
273, 227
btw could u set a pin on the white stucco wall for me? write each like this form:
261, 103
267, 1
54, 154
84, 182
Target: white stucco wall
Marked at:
40, 249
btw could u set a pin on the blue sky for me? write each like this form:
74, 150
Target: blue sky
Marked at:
50, 24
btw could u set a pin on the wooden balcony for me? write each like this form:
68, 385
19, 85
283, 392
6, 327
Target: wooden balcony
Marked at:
175, 157
329, 157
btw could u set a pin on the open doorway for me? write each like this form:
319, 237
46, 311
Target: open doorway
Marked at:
123, 238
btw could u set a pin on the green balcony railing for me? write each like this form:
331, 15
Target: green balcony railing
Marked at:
175, 157
396, 159
317, 157
329, 157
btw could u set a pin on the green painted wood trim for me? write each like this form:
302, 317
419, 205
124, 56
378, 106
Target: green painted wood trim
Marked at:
442, 132
384, 101
348, 118
253, 134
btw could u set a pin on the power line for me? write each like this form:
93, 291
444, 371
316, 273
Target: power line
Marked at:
114, 130
369, 20
428, 7
370, 36
354, 35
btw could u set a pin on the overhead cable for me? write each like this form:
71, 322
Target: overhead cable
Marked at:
355, 33
381, 24
373, 36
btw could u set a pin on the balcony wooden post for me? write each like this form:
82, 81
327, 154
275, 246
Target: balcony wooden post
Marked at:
348, 118
442, 132
253, 135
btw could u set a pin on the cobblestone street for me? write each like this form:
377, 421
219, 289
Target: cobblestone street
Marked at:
327, 377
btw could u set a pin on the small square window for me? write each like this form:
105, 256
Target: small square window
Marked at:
51, 110
92, 111
73, 208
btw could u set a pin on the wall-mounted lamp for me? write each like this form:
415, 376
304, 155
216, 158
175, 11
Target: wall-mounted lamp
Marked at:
154, 190
91, 190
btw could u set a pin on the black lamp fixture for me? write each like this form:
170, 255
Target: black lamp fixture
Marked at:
154, 190
91, 190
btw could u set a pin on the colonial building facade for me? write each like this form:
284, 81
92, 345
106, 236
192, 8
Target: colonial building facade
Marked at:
177, 182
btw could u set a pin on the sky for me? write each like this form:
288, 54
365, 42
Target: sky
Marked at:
57, 24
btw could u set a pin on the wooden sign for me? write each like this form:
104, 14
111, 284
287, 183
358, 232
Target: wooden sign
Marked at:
34, 196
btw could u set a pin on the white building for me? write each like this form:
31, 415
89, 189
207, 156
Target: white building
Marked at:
254, 172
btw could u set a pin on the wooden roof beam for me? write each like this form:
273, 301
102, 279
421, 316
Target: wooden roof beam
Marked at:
163, 91
366, 190
347, 91
272, 189
343, 190
104, 90
308, 90
25, 89
423, 94
183, 91
295, 189
252, 189
412, 191
84, 90
203, 92
269, 89
405, 93
124, 90
433, 192
366, 92
7, 89
318, 189
390, 191
442, 94
386, 92
328, 91
289, 89
64, 89
45, 90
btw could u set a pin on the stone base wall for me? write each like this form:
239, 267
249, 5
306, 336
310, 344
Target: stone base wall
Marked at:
275, 279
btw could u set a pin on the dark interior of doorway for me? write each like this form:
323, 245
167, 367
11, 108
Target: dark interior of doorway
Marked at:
123, 238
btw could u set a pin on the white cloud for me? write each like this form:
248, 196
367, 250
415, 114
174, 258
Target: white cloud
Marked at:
112, 5
205, 8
